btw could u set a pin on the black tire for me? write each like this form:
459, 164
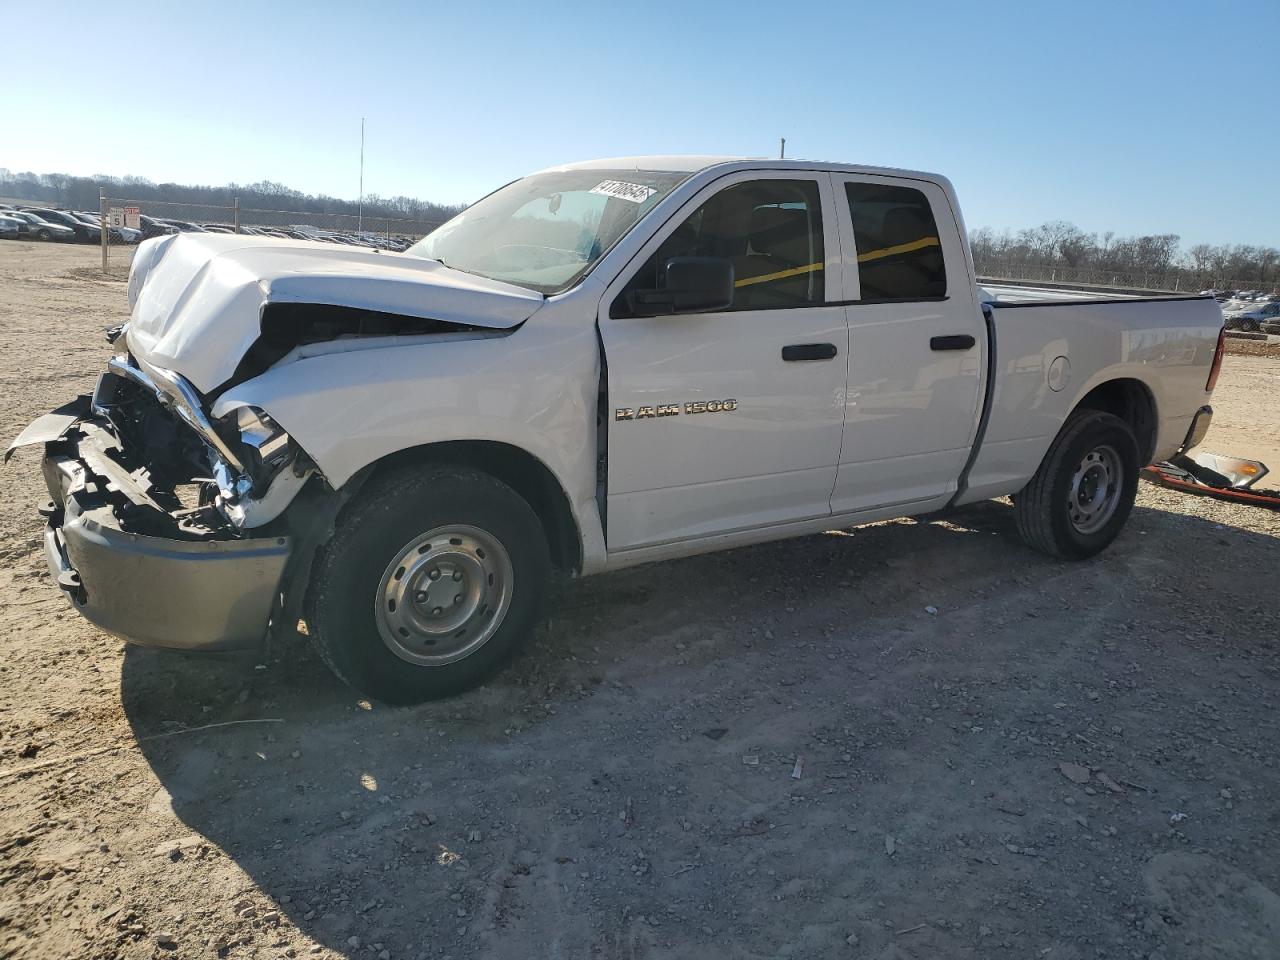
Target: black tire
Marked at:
391, 513
42, 234
1249, 325
1044, 509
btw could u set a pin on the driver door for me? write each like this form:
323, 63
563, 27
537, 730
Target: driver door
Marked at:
729, 420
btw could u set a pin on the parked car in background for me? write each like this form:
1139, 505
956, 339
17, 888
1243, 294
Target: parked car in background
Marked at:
10, 227
1249, 317
92, 223
151, 227
115, 234
84, 232
84, 216
184, 226
38, 228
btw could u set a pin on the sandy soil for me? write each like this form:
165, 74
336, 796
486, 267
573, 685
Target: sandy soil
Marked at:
1064, 761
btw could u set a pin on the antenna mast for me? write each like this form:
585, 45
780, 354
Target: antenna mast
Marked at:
360, 207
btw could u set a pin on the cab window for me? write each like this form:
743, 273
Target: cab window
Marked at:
771, 230
899, 248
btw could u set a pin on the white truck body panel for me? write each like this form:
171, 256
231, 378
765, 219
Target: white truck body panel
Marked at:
1166, 345
380, 400
911, 413
774, 460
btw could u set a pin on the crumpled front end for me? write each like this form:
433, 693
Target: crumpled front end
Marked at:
163, 527
202, 302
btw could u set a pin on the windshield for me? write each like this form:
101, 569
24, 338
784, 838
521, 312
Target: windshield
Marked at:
546, 231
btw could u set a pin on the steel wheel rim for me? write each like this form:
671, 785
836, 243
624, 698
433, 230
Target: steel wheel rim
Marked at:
1095, 490
444, 595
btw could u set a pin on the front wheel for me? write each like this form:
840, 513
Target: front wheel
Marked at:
1082, 494
431, 581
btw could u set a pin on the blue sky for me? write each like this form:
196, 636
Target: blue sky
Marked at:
1131, 116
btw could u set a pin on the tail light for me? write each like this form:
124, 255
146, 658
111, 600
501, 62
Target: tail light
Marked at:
1217, 362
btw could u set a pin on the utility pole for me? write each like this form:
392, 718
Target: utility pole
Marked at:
360, 208
782, 149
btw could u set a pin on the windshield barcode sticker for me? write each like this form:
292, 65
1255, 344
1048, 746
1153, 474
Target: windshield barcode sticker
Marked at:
634, 192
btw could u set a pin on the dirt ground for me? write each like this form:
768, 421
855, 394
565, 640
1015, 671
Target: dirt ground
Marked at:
773, 752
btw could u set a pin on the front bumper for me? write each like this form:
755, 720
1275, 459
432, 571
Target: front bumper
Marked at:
195, 590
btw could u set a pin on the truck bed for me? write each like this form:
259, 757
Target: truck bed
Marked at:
1046, 355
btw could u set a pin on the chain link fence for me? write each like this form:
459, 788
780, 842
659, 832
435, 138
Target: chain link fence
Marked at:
158, 217
1019, 272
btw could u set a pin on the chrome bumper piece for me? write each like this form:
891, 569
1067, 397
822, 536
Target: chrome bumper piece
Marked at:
174, 392
1199, 427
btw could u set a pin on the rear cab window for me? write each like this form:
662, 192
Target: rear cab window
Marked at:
900, 255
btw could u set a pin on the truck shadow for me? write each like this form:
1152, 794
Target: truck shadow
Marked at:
470, 826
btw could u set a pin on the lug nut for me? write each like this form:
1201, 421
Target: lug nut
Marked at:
457, 575
437, 611
434, 574
420, 596
457, 600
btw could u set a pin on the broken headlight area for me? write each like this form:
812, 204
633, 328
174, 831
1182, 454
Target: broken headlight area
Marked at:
273, 468
261, 445
239, 472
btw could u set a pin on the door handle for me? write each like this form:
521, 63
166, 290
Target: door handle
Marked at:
956, 341
809, 351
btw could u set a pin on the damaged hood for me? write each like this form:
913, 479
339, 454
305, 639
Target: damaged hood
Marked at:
197, 299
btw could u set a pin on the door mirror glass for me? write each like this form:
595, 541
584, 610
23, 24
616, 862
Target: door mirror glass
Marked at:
686, 285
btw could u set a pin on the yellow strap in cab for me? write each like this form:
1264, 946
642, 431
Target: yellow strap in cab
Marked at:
900, 248
780, 275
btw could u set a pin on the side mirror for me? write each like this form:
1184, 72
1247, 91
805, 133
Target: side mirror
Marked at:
686, 285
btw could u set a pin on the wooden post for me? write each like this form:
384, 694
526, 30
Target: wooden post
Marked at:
102, 215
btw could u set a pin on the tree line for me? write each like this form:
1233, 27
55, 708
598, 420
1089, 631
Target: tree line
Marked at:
1054, 250
1064, 249
81, 193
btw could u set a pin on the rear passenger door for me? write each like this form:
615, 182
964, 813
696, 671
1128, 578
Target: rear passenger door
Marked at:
916, 345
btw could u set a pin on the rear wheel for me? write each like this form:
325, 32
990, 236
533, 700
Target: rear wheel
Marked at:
42, 234
1079, 499
429, 584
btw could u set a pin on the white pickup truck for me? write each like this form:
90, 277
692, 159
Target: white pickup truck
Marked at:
599, 365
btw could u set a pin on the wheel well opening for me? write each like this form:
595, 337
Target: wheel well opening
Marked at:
1131, 401
522, 472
